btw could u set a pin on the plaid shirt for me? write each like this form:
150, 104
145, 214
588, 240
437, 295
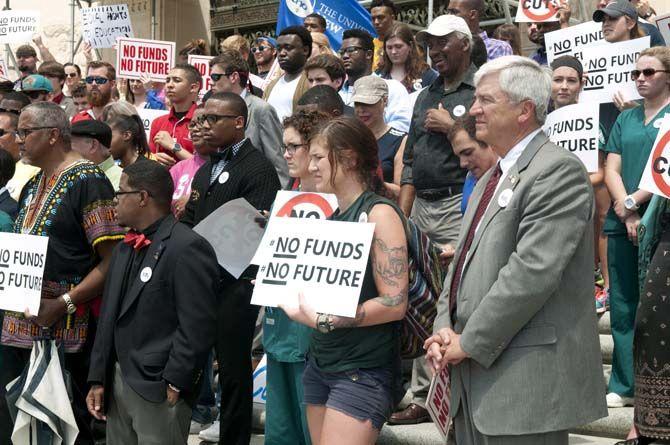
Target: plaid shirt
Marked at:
495, 48
227, 155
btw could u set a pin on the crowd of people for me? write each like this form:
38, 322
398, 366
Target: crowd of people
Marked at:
158, 338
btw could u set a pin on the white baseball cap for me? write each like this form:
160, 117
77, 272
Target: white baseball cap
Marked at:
444, 25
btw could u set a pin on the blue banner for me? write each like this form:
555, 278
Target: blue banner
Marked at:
340, 15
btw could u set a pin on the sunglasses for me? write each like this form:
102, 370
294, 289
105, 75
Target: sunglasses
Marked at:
7, 110
71, 74
648, 72
260, 48
96, 79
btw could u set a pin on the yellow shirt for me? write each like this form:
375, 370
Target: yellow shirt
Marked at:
22, 175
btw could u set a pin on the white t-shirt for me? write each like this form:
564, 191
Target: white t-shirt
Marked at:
281, 97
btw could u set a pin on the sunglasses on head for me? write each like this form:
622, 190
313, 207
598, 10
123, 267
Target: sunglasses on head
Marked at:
648, 72
96, 79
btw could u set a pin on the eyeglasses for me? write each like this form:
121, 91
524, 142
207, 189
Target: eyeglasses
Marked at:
71, 74
648, 72
195, 122
349, 50
4, 132
292, 148
119, 193
211, 119
23, 133
260, 48
96, 79
7, 110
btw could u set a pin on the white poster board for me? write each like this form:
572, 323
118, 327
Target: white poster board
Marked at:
304, 204
607, 70
323, 260
101, 25
22, 259
573, 40
663, 25
233, 233
148, 116
260, 394
437, 402
656, 175
575, 128
137, 56
3, 68
537, 11
201, 63
18, 26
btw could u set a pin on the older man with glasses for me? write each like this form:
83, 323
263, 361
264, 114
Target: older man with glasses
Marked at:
69, 192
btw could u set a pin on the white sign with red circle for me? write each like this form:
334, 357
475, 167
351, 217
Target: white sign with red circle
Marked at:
656, 175
537, 11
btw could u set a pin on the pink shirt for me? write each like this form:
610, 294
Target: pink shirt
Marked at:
182, 175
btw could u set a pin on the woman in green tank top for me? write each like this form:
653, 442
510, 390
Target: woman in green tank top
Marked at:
348, 379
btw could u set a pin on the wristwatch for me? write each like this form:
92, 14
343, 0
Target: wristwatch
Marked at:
69, 305
324, 323
176, 147
630, 203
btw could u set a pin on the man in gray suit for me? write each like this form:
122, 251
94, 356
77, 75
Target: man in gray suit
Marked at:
230, 74
516, 322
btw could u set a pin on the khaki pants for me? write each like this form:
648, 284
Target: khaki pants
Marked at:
441, 222
131, 420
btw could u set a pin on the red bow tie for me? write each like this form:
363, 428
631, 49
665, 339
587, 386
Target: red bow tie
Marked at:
137, 240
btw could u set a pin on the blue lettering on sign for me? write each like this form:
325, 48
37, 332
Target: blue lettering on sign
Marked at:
261, 390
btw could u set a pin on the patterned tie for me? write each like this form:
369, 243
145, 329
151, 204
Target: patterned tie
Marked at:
489, 191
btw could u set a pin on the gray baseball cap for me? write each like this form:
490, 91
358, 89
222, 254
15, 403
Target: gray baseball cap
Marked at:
615, 10
370, 90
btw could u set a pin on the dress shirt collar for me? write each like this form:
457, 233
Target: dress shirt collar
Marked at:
515, 153
107, 164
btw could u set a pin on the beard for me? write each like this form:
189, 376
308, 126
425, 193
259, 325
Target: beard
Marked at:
25, 69
98, 98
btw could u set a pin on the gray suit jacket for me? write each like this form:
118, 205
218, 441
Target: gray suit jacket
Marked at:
265, 132
525, 307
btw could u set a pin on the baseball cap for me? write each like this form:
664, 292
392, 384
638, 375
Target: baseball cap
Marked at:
93, 129
615, 10
444, 25
25, 51
370, 90
36, 82
269, 40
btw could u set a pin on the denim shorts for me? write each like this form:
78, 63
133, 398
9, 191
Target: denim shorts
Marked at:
364, 394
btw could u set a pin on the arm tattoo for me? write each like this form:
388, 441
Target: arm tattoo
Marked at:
348, 322
389, 263
392, 300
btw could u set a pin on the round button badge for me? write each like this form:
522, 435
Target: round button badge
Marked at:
223, 177
459, 110
145, 275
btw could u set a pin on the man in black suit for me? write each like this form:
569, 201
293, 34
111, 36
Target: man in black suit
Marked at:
237, 170
157, 323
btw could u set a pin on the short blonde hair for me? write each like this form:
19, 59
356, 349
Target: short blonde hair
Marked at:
660, 53
322, 42
237, 43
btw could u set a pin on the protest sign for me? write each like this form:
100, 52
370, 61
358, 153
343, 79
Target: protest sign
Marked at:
18, 26
656, 175
304, 204
22, 259
438, 402
201, 63
3, 68
136, 56
148, 116
575, 128
260, 393
233, 233
573, 40
537, 11
663, 25
607, 70
324, 260
340, 15
101, 25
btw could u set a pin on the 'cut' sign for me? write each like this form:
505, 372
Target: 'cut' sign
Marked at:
537, 11
137, 56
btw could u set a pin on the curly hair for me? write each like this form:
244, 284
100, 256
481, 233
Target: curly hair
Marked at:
305, 122
415, 65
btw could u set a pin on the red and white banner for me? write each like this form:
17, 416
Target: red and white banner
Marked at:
202, 65
656, 175
137, 56
438, 402
537, 11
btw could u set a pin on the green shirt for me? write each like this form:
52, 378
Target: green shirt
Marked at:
354, 348
6, 223
633, 140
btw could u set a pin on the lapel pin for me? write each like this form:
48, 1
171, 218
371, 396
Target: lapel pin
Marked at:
505, 197
145, 275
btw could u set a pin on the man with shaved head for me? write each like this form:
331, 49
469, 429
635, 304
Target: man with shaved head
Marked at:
472, 11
